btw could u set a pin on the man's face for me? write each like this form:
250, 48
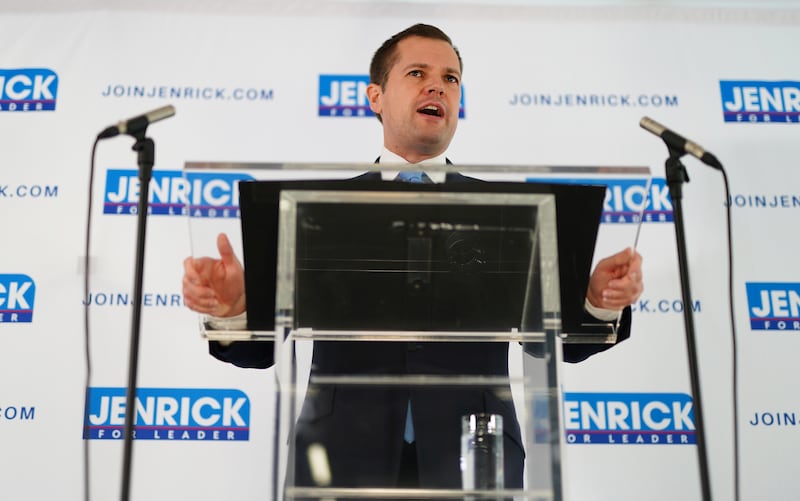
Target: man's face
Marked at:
419, 102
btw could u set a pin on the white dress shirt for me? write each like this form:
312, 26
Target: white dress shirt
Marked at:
389, 157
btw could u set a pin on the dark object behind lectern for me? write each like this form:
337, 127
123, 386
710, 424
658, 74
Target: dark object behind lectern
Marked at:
418, 267
431, 271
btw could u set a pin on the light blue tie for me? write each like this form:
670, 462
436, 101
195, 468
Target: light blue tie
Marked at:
408, 434
414, 177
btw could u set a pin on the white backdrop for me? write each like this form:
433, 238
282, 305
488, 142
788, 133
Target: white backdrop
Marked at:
542, 86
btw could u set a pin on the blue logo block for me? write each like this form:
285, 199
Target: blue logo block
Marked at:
17, 293
629, 418
628, 200
173, 193
28, 89
774, 306
346, 96
169, 414
760, 101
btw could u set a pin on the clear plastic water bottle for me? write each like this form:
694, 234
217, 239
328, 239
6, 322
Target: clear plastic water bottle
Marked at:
482, 452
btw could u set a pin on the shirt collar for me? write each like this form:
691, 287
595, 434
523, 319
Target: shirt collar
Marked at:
389, 157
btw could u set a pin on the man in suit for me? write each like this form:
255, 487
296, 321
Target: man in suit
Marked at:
399, 436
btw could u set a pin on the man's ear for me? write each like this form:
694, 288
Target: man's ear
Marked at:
374, 94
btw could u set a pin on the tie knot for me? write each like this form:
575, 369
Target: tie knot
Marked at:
414, 177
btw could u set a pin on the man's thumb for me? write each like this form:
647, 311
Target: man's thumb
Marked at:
225, 248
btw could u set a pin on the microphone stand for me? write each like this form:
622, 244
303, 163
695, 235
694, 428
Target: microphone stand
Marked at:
676, 176
146, 158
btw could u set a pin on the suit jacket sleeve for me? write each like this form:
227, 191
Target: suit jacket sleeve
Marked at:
246, 354
579, 352
574, 353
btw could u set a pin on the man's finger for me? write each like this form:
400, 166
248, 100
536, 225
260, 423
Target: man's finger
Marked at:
190, 269
225, 249
621, 258
636, 262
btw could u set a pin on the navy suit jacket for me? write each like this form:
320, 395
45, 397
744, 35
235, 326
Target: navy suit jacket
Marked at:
361, 428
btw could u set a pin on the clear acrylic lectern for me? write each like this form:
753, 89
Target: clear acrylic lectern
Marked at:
408, 314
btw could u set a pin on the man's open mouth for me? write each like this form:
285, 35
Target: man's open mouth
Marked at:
431, 110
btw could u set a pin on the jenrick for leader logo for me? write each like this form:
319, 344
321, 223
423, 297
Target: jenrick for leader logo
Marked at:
628, 200
175, 193
28, 89
774, 306
169, 414
629, 418
17, 293
760, 101
346, 96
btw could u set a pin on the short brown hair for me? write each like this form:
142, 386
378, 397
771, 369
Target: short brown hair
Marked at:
386, 55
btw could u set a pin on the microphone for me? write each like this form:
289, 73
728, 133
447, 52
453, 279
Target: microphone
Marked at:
677, 142
135, 125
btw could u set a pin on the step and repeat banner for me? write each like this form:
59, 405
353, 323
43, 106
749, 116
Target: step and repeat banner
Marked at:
562, 86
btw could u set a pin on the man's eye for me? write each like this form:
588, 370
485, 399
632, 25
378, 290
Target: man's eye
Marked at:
452, 79
415, 73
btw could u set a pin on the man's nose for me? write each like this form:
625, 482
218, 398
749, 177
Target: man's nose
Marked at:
435, 88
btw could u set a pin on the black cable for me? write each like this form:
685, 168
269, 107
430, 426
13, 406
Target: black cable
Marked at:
735, 353
86, 330
734, 347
